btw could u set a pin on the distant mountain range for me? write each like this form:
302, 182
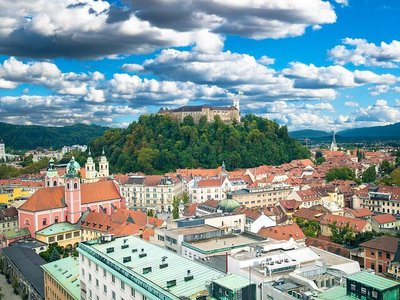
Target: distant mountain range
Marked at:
387, 132
26, 137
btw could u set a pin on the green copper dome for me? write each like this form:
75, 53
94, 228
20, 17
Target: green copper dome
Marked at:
72, 168
76, 165
228, 205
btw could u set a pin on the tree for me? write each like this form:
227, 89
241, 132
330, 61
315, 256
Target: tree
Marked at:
54, 255
318, 154
343, 173
320, 160
150, 213
386, 167
175, 208
341, 235
369, 174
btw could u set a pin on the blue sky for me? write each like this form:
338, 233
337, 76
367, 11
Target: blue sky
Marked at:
306, 64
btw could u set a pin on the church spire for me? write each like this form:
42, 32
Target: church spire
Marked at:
334, 146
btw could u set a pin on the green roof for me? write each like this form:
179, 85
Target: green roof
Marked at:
335, 293
228, 205
58, 228
177, 268
66, 272
377, 282
16, 233
233, 282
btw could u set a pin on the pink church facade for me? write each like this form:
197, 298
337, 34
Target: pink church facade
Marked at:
55, 204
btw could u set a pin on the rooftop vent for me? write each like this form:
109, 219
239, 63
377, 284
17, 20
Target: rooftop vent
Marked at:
189, 276
110, 250
134, 250
142, 254
171, 283
124, 246
146, 270
126, 259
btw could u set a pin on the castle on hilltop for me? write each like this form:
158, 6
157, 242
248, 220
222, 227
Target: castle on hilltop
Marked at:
226, 113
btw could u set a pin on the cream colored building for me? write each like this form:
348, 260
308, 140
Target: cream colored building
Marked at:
67, 235
266, 196
227, 114
61, 279
152, 192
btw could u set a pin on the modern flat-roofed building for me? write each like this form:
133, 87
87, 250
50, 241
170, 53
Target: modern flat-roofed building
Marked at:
131, 268
266, 196
61, 279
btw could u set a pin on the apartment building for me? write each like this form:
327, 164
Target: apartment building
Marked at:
381, 199
152, 192
380, 252
266, 196
131, 268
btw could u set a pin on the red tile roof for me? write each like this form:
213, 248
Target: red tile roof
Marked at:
356, 224
308, 195
52, 197
282, 232
210, 182
360, 213
253, 213
290, 204
384, 218
385, 243
309, 214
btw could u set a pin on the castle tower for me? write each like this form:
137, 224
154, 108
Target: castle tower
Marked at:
334, 147
2, 151
51, 178
236, 103
72, 192
90, 168
103, 166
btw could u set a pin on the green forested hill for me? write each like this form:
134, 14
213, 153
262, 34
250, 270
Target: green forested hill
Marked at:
158, 144
25, 137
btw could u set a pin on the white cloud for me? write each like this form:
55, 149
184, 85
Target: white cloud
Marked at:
380, 112
360, 52
99, 28
351, 104
311, 76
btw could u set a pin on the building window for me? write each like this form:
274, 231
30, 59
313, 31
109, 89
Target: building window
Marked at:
104, 288
387, 255
353, 287
133, 292
113, 295
75, 185
113, 278
122, 285
363, 291
104, 273
97, 268
374, 294
97, 283
56, 220
90, 277
379, 253
372, 253
44, 221
380, 268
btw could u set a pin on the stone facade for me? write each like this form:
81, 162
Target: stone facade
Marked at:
227, 114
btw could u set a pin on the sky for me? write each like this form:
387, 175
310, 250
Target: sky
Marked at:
327, 65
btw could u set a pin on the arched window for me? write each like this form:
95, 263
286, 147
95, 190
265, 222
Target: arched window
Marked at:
48, 183
27, 222
75, 185
87, 168
55, 183
67, 185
